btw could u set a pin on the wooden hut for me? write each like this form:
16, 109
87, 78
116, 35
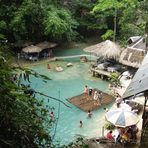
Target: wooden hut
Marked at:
109, 51
43, 49
134, 54
46, 45
31, 52
46, 48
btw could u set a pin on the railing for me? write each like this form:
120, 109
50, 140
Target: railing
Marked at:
74, 56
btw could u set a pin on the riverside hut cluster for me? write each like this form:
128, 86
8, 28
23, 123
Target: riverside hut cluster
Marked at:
129, 111
130, 115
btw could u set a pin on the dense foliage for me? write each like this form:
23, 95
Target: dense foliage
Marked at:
22, 116
58, 20
121, 16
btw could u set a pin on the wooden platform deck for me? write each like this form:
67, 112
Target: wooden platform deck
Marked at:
88, 103
100, 72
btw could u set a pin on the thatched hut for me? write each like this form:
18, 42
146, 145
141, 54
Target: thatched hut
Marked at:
106, 49
32, 49
43, 49
46, 45
31, 52
134, 54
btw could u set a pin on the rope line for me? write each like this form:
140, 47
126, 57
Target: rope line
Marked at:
56, 124
52, 98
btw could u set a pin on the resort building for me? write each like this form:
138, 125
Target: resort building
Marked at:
40, 50
134, 54
137, 86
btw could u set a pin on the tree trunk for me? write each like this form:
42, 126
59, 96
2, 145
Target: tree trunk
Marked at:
115, 25
146, 36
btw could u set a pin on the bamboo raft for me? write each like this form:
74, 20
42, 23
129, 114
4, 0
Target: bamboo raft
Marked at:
87, 103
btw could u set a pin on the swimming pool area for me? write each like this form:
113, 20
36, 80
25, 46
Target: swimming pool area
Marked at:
63, 85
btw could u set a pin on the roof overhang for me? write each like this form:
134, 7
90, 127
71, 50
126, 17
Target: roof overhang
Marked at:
139, 82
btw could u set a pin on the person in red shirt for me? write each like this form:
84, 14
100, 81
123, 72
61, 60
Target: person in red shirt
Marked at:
110, 136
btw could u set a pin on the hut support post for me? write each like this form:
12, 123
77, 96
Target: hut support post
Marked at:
146, 97
102, 131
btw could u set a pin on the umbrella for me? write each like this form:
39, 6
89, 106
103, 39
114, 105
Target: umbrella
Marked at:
125, 106
32, 49
106, 49
122, 118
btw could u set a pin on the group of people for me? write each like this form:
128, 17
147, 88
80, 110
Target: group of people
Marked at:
89, 115
123, 135
58, 67
97, 95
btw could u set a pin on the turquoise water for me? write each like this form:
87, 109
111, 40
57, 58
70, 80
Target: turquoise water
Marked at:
70, 82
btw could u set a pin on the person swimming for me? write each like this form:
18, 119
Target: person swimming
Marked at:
48, 66
81, 123
59, 68
52, 115
89, 114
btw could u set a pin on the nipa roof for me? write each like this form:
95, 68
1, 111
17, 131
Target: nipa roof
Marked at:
46, 45
132, 57
32, 49
106, 49
139, 82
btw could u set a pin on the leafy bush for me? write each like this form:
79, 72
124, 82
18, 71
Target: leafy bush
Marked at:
109, 126
114, 79
108, 35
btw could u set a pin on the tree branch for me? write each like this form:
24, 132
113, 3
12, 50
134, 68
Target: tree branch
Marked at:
51, 98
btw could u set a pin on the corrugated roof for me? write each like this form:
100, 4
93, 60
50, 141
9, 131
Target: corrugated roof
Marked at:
134, 38
139, 82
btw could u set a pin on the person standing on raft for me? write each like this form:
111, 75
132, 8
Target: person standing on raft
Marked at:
86, 91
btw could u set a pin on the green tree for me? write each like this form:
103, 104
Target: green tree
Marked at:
27, 20
59, 24
109, 8
143, 15
117, 15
